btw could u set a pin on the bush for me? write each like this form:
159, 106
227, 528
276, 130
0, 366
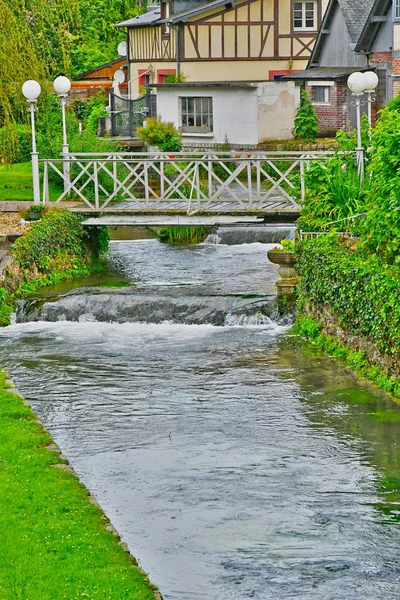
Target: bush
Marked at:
360, 290
306, 121
6, 307
59, 241
161, 134
22, 143
333, 189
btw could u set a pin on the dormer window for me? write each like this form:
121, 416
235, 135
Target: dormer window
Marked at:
165, 13
305, 16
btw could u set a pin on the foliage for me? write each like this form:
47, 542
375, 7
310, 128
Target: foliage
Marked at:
161, 134
41, 39
22, 135
381, 226
181, 235
6, 307
360, 290
333, 189
306, 120
287, 246
55, 542
176, 78
95, 41
59, 242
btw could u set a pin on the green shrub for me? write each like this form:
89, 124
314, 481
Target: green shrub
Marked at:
6, 307
360, 290
59, 242
334, 192
161, 134
306, 120
23, 142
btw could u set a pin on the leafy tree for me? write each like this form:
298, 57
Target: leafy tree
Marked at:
306, 121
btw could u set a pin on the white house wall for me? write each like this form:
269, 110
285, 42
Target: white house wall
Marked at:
234, 113
242, 116
276, 110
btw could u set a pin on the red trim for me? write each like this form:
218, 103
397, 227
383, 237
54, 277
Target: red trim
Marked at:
142, 73
162, 72
273, 74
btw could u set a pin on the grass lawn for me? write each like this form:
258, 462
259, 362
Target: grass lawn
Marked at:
53, 543
16, 183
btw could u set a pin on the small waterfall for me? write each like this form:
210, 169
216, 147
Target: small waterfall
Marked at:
265, 234
129, 306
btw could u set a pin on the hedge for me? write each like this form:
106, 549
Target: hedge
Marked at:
361, 290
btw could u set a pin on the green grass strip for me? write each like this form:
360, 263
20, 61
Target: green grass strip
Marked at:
53, 541
16, 183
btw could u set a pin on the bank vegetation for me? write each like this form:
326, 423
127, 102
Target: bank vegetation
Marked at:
349, 294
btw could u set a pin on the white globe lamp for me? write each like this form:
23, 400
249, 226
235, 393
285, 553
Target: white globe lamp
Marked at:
356, 83
31, 90
62, 85
371, 81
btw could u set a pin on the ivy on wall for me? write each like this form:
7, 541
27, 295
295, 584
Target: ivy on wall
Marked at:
361, 290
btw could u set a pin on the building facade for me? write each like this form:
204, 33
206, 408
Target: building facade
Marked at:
221, 40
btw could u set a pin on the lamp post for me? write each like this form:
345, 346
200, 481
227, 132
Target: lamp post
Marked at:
356, 83
31, 90
371, 81
62, 85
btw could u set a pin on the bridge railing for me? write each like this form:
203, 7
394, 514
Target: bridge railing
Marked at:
182, 182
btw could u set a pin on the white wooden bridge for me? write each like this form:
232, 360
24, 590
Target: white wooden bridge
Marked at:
195, 183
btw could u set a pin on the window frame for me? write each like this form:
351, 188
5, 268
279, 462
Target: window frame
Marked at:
198, 112
397, 10
327, 94
304, 26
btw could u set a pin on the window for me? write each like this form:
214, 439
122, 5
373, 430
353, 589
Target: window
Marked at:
165, 11
321, 93
197, 115
162, 74
397, 9
305, 15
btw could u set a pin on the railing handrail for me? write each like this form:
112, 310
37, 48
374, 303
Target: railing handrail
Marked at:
227, 155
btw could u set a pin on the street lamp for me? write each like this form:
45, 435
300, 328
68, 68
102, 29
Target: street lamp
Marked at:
62, 85
356, 84
371, 81
31, 90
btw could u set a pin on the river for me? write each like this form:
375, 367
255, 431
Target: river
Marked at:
235, 460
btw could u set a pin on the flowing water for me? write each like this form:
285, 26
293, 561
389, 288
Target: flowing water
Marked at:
234, 460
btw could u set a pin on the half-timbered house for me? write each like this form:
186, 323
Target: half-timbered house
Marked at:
355, 35
221, 40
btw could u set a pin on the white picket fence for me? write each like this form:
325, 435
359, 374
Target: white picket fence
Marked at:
182, 182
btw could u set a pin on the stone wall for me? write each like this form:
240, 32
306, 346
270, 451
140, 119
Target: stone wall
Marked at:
330, 326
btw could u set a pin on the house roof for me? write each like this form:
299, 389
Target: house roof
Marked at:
355, 14
376, 18
149, 18
100, 67
184, 16
153, 16
323, 73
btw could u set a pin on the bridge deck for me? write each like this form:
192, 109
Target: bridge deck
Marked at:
173, 220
